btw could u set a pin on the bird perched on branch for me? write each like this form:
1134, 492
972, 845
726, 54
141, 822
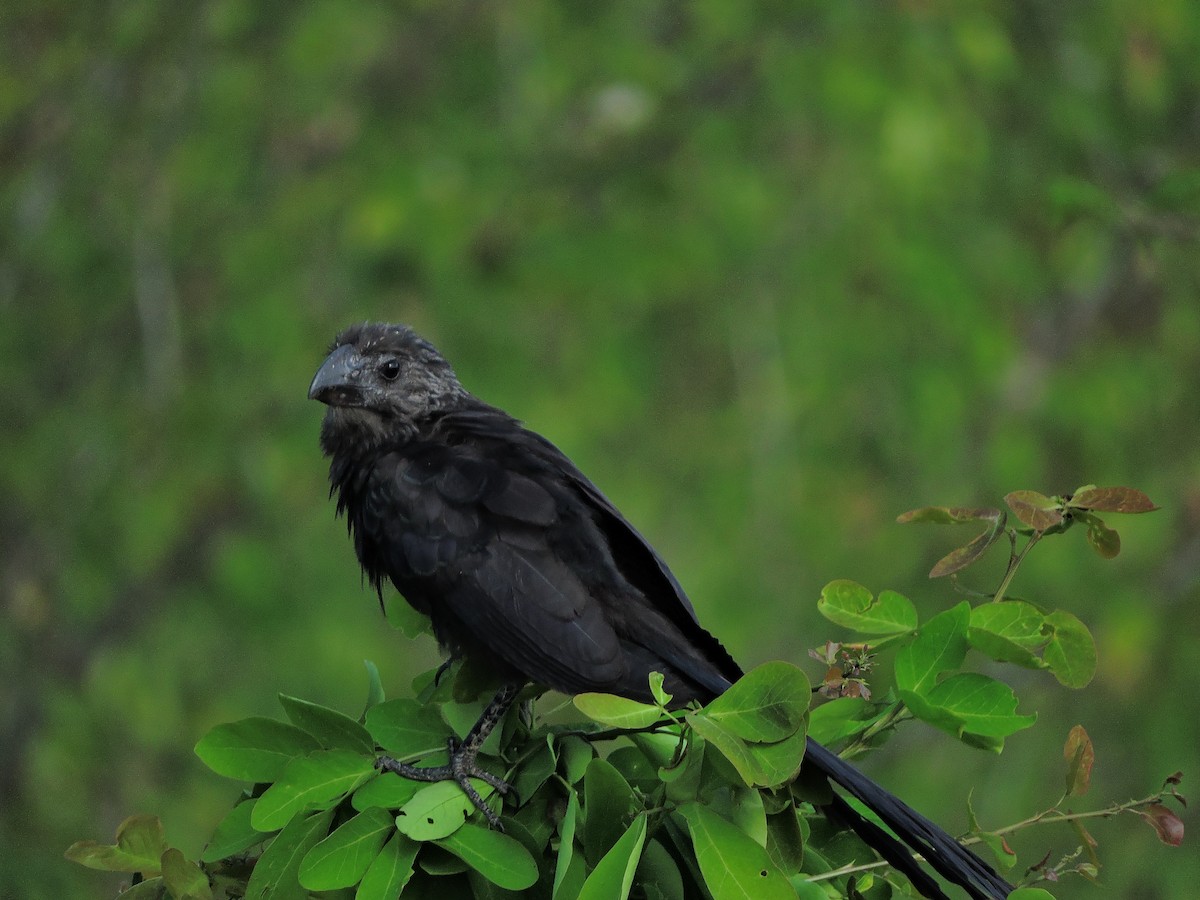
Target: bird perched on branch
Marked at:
526, 568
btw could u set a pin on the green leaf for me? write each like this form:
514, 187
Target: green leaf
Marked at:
332, 729
439, 810
659, 748
618, 712
375, 694
809, 890
388, 791
139, 848
839, 719
390, 871
778, 762
661, 697
432, 687
572, 882
274, 875
406, 729
758, 764
850, 604
1008, 631
931, 712
1015, 620
734, 866
613, 876
150, 889
341, 859
607, 802
785, 840
657, 870
575, 754
1071, 651
768, 703
685, 777
433, 860
940, 645
535, 770
732, 747
310, 782
501, 859
1004, 854
566, 845
983, 705
747, 813
1112, 499
183, 878
234, 834
255, 749
1030, 894
635, 768
1037, 511
534, 823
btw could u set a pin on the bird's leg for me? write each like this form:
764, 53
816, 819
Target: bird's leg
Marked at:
462, 766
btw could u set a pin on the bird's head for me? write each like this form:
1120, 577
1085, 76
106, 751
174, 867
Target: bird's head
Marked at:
383, 375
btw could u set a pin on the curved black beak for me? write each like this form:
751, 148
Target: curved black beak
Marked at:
337, 382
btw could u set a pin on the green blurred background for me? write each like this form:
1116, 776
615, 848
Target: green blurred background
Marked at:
770, 273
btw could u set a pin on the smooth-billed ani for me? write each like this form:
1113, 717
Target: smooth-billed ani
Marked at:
525, 567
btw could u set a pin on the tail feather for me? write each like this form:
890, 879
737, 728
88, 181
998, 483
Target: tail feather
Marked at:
895, 853
949, 858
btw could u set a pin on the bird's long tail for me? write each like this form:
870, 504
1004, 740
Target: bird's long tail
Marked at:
949, 858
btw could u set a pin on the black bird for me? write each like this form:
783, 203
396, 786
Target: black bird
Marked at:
524, 566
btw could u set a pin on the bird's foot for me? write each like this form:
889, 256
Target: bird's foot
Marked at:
462, 768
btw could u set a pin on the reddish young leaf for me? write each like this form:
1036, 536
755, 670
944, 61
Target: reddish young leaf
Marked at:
1103, 539
1112, 499
1035, 510
1168, 825
959, 559
962, 557
1080, 755
948, 515
1169, 785
1088, 843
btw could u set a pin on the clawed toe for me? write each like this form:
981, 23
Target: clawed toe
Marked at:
461, 770
462, 767
502, 787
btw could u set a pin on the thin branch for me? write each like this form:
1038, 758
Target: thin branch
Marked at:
611, 734
1014, 562
1055, 815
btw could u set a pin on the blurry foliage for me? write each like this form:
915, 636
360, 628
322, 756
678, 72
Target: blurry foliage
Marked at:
768, 273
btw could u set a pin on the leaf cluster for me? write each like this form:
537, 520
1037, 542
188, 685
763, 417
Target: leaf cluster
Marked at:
682, 799
637, 798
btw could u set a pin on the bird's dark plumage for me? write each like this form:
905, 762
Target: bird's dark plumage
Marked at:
523, 564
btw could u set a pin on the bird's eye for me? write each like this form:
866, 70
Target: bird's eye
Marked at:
389, 369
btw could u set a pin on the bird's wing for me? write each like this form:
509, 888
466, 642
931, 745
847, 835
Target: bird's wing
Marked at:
633, 556
473, 538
